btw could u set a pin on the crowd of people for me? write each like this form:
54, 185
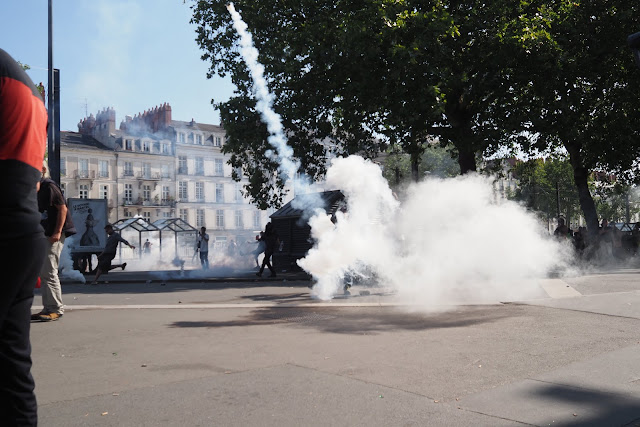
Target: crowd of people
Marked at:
609, 241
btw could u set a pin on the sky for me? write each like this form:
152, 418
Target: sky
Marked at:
131, 55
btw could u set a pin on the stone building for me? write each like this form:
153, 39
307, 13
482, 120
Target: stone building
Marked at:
156, 167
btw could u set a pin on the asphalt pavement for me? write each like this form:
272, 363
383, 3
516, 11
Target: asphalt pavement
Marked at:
227, 348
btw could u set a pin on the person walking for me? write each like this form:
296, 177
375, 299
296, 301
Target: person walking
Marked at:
271, 242
109, 253
203, 245
23, 135
57, 224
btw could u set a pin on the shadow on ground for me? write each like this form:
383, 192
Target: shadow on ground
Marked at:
605, 409
356, 320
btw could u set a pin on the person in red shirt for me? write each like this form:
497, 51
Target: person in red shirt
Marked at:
23, 136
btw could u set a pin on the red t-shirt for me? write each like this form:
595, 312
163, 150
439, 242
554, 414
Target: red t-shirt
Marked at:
23, 137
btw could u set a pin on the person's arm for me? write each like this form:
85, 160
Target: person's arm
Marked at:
125, 242
57, 230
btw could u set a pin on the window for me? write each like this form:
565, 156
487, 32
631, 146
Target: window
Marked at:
220, 218
199, 139
218, 167
200, 191
146, 193
199, 166
199, 218
217, 141
165, 171
191, 137
166, 214
257, 221
146, 170
103, 168
128, 193
147, 216
220, 193
146, 146
63, 188
128, 145
238, 172
184, 215
84, 191
165, 193
83, 168
127, 213
63, 167
182, 165
165, 148
183, 194
128, 169
181, 137
104, 192
239, 221
238, 193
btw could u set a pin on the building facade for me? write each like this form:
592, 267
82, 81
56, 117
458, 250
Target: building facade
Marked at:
155, 167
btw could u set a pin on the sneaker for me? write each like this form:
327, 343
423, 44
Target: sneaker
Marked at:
124, 265
49, 317
36, 316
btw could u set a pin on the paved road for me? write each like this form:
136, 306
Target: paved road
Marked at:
234, 351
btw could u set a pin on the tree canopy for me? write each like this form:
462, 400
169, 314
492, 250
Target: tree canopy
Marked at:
364, 75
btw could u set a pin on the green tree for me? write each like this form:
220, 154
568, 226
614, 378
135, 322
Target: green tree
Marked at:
545, 185
358, 76
436, 161
581, 87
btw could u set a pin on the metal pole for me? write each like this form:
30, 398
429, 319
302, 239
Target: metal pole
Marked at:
50, 108
628, 210
558, 198
54, 155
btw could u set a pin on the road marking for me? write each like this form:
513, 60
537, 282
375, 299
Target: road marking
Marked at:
231, 305
557, 288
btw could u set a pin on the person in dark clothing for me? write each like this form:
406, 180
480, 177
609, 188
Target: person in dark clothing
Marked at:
23, 135
109, 253
57, 224
271, 242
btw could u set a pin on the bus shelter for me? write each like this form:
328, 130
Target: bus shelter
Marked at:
175, 225
137, 224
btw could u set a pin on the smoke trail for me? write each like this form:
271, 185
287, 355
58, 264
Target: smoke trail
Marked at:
289, 166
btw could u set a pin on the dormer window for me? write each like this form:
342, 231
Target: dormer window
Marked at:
128, 145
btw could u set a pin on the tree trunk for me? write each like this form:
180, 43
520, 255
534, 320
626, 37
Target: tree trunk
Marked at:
580, 176
466, 160
415, 160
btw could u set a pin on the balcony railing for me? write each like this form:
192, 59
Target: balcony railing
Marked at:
127, 173
84, 174
149, 176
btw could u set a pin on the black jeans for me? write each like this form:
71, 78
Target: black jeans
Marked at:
20, 263
266, 261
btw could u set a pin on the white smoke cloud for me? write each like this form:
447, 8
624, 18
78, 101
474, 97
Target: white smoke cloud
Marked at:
65, 264
448, 242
